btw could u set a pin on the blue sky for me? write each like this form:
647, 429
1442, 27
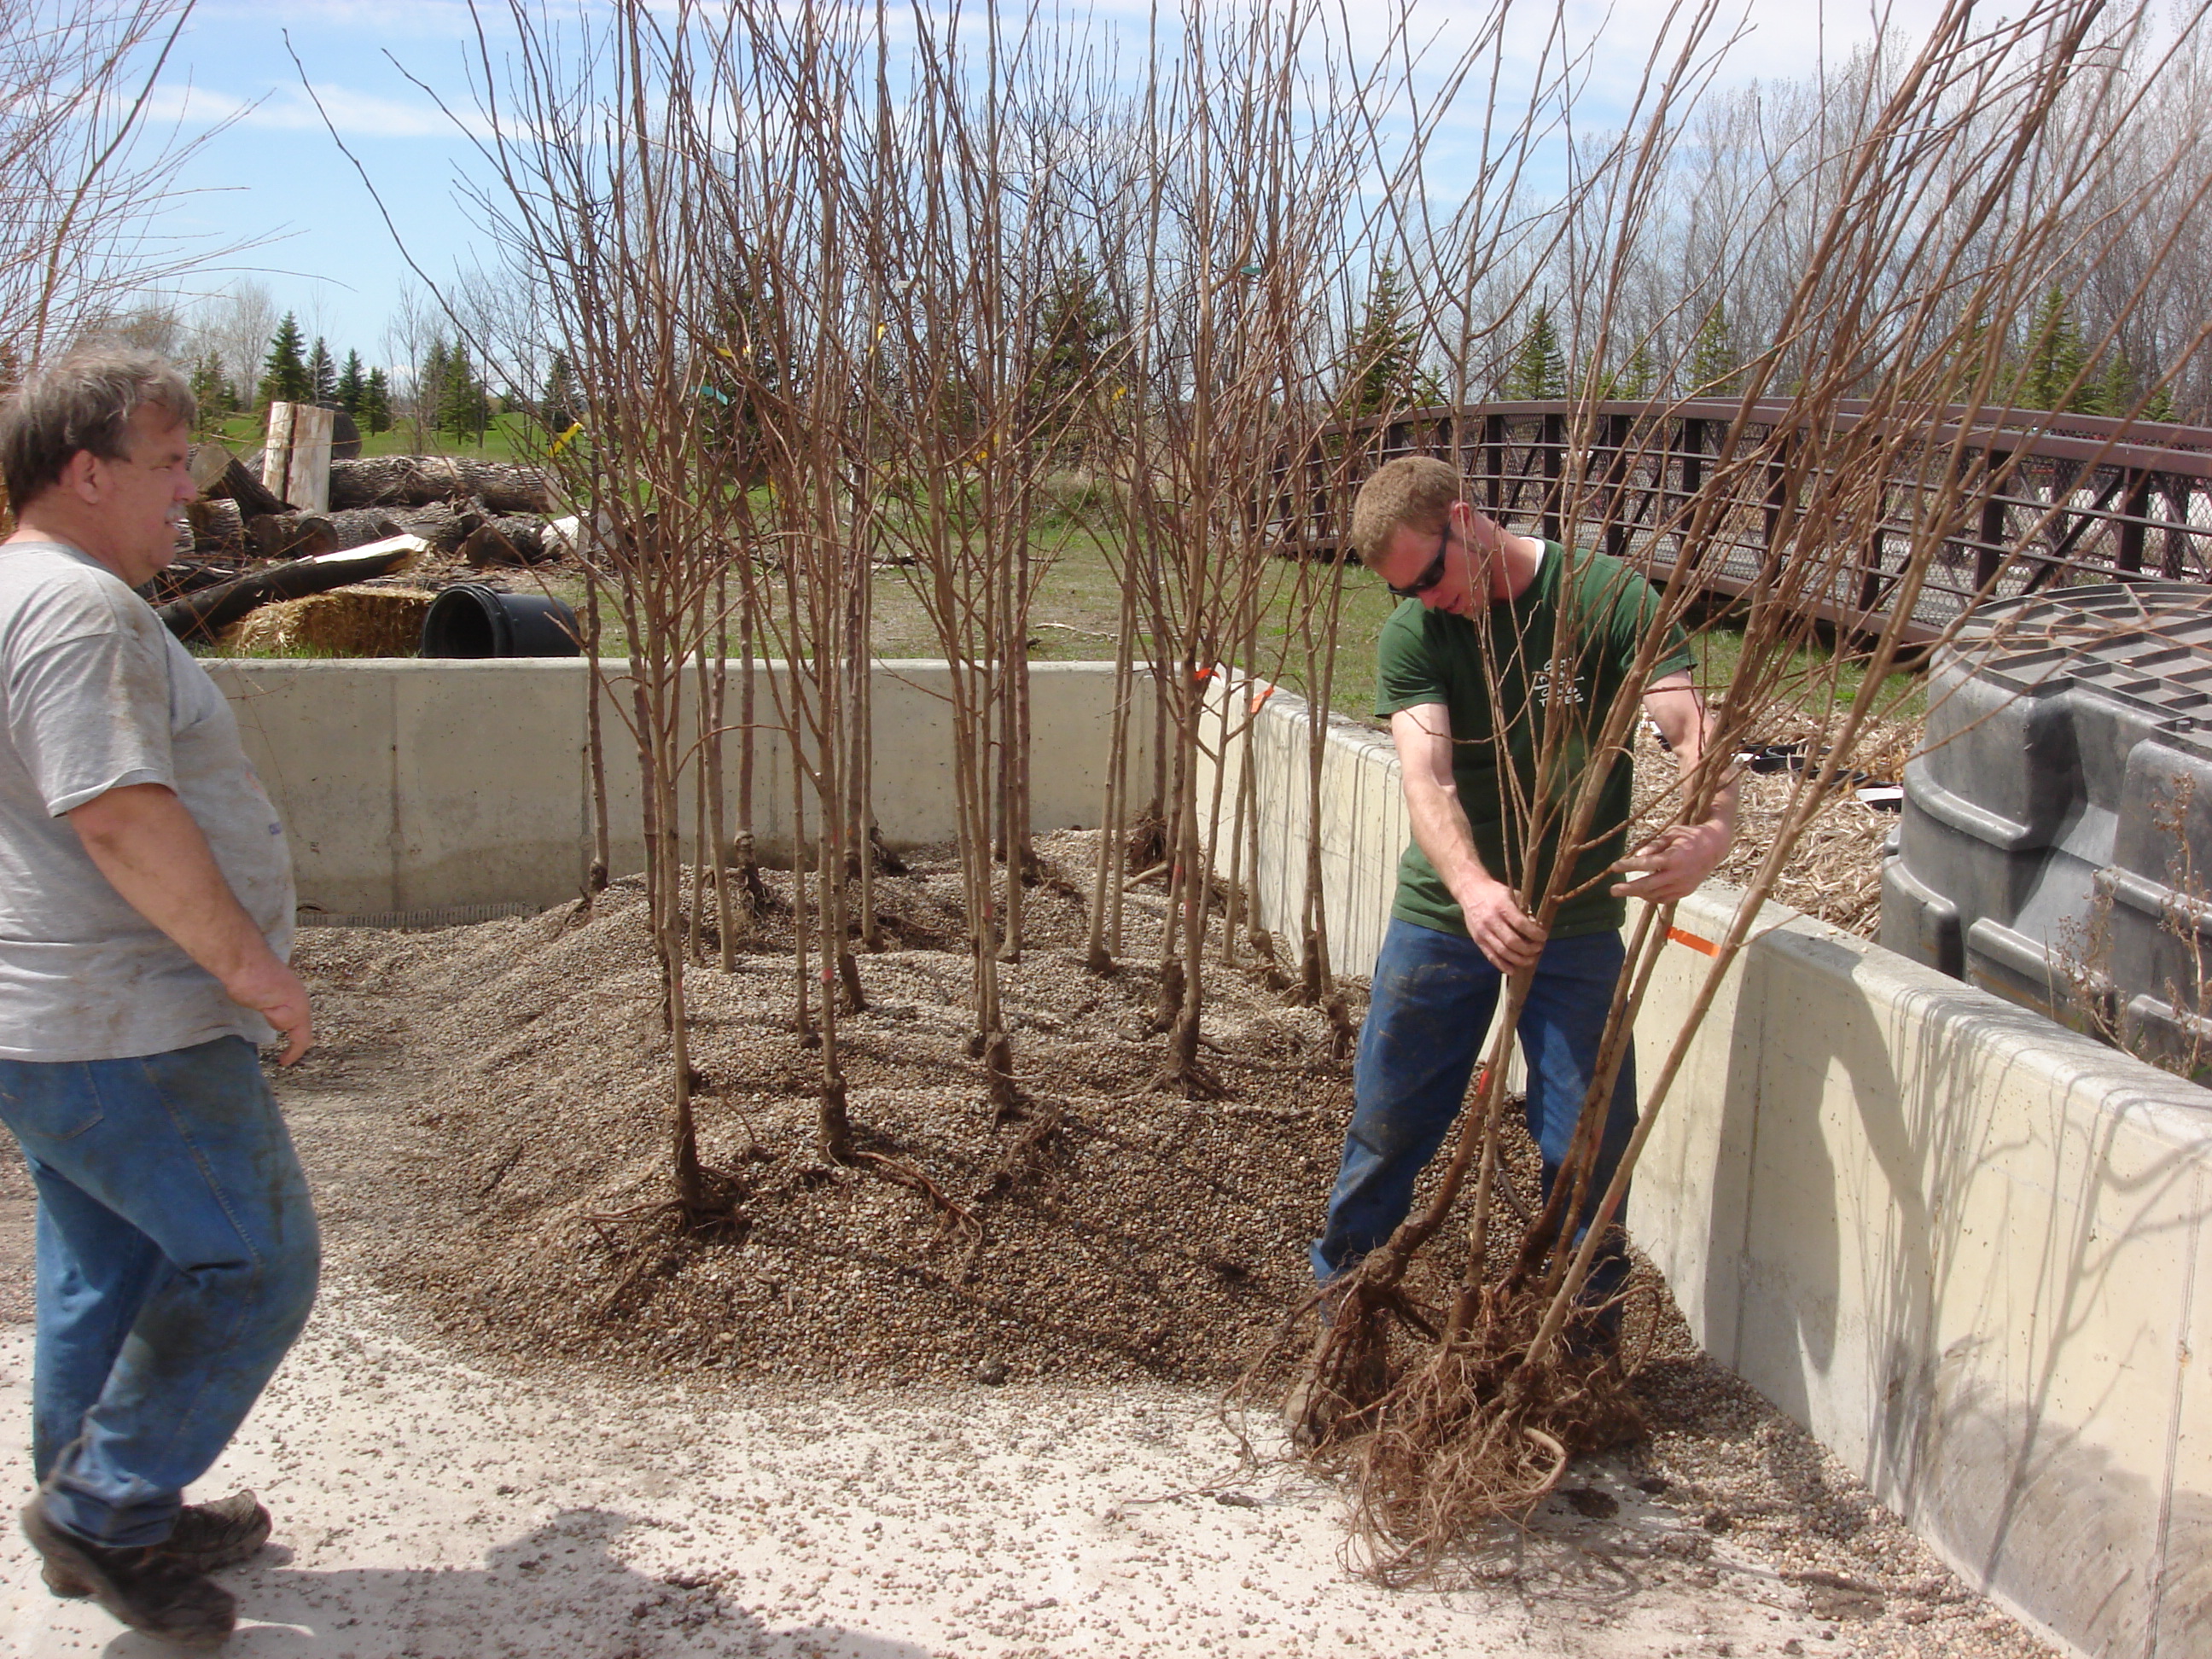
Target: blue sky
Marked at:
275, 173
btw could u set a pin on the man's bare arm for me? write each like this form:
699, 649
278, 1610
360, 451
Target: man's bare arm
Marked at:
1504, 933
153, 853
1675, 861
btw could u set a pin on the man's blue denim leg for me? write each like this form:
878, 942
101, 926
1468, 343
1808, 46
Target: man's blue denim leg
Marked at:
176, 1261
1561, 1029
1432, 997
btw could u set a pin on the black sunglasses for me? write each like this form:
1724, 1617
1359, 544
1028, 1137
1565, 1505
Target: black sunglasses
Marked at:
1431, 577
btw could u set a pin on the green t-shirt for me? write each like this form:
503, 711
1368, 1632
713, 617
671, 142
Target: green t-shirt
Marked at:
1430, 656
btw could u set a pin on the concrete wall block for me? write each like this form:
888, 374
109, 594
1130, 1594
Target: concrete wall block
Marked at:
1689, 1208
2181, 1594
420, 785
489, 786
1961, 1245
324, 742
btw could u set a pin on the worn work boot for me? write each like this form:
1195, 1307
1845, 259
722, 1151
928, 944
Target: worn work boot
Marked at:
145, 1586
208, 1538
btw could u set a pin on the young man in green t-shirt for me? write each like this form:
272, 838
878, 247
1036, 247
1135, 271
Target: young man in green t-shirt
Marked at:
1473, 667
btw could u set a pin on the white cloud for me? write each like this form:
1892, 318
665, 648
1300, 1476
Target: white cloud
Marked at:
289, 109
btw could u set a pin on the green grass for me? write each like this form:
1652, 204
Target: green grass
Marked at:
1811, 678
510, 437
1078, 606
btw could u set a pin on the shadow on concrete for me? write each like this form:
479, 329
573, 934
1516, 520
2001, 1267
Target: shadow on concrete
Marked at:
1997, 1474
556, 1591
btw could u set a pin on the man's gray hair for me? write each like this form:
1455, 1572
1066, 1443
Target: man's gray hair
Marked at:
83, 402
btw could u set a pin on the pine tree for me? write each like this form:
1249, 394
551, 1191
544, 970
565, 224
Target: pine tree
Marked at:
375, 410
430, 386
1714, 366
1632, 381
2113, 392
557, 408
284, 371
2055, 359
1540, 367
464, 409
211, 389
1382, 367
1081, 333
322, 373
352, 386
2159, 404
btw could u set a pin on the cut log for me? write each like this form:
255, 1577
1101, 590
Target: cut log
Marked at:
418, 480
277, 448
507, 541
359, 526
176, 581
290, 536
207, 463
229, 477
204, 615
218, 525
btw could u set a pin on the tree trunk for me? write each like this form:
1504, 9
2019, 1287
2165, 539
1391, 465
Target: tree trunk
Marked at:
359, 526
218, 525
418, 480
204, 615
290, 536
219, 473
506, 542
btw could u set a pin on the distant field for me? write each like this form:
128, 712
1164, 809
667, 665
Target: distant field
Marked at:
509, 437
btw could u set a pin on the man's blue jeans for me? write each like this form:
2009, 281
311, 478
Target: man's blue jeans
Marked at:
176, 1261
1433, 996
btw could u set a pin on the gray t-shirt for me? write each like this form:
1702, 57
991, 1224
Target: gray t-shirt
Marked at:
96, 694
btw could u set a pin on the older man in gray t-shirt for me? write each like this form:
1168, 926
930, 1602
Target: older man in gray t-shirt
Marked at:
145, 916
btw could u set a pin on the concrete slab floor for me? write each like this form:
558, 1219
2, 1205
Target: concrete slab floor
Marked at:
429, 1510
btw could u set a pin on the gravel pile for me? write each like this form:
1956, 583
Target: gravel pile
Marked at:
1117, 1232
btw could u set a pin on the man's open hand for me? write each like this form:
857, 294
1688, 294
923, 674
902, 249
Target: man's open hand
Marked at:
1501, 929
272, 990
1672, 864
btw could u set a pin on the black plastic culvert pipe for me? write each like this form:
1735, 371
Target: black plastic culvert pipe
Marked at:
472, 620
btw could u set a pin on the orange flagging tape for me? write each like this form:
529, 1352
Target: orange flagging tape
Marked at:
1693, 941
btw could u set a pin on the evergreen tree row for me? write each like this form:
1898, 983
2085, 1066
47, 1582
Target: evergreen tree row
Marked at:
1383, 367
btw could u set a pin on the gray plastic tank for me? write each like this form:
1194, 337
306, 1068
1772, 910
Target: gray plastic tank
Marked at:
2056, 843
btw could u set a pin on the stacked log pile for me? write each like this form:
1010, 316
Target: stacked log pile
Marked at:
487, 513
240, 546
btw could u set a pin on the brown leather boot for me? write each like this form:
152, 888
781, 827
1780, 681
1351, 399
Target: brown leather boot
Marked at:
144, 1585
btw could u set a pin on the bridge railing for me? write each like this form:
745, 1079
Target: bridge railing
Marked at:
2015, 501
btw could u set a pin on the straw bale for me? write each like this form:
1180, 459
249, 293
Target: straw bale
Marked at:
346, 622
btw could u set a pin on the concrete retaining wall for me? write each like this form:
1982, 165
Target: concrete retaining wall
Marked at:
1970, 1250
412, 787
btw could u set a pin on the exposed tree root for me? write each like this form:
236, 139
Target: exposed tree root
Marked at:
717, 1215
1025, 1155
1182, 1074
1148, 842
1476, 1430
998, 1077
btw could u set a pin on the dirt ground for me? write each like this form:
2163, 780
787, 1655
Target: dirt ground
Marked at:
484, 1123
